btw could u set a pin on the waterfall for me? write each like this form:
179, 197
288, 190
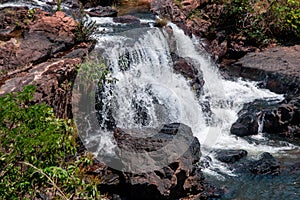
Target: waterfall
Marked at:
149, 93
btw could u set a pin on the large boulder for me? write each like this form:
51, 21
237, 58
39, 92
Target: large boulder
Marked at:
246, 124
41, 50
42, 39
266, 164
53, 80
284, 119
277, 69
164, 165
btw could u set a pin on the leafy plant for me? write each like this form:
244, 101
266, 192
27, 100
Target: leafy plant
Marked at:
85, 28
33, 140
58, 3
287, 17
95, 71
30, 13
262, 21
161, 22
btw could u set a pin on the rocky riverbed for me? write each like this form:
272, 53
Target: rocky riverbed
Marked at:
41, 48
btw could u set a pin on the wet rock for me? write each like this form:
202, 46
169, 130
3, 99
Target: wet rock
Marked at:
189, 71
283, 119
127, 19
280, 118
277, 68
94, 3
271, 122
295, 168
100, 11
170, 128
246, 124
230, 156
169, 174
267, 164
72, 4
205, 162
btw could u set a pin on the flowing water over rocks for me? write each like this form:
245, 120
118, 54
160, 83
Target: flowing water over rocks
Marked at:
164, 77
168, 98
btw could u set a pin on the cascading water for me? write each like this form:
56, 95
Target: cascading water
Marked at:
148, 93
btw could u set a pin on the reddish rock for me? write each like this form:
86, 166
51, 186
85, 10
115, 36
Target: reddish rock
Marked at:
54, 83
43, 54
45, 36
127, 19
8, 26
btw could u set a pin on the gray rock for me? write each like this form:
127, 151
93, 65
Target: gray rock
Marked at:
231, 155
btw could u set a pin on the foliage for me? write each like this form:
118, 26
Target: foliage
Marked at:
58, 3
287, 15
263, 21
94, 71
161, 22
194, 13
85, 28
178, 3
72, 179
30, 13
33, 138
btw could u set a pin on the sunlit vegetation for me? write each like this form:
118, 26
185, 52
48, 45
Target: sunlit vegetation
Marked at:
38, 153
263, 21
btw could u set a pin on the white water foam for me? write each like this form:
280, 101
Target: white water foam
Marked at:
141, 61
24, 3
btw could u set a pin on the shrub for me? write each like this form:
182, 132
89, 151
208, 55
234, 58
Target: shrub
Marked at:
263, 21
34, 145
286, 17
84, 29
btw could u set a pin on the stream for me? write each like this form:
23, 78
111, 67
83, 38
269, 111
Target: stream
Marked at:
148, 93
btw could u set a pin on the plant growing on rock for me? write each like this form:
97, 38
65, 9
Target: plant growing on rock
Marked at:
161, 22
58, 3
94, 71
84, 29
